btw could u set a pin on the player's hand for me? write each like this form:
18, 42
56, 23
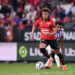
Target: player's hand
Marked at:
62, 47
32, 37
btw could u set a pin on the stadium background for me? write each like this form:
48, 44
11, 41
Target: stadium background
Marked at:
16, 20
17, 52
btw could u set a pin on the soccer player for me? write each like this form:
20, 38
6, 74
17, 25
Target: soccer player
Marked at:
48, 35
59, 36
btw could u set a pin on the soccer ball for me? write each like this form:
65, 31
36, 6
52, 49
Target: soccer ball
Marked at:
39, 65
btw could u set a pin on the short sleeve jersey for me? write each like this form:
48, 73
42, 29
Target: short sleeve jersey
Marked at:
46, 27
59, 34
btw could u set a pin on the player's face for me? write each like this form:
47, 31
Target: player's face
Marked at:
45, 15
58, 28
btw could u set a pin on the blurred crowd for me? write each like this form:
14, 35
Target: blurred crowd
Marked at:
23, 13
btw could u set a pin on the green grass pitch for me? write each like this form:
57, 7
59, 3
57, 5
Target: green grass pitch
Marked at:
29, 69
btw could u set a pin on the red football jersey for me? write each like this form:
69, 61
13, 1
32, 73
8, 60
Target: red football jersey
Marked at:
46, 27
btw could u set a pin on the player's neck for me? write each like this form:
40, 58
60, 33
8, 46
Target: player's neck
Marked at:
45, 20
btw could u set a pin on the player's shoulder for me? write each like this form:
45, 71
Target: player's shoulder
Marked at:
39, 20
51, 20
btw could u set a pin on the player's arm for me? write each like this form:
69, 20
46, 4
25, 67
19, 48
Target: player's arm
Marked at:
53, 26
62, 42
34, 28
54, 31
32, 33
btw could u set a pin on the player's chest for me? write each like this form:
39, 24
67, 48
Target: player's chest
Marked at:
45, 24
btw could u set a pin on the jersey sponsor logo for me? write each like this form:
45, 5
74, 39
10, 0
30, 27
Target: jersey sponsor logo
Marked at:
45, 30
49, 23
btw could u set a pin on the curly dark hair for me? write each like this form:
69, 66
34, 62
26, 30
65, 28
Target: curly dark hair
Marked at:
45, 9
